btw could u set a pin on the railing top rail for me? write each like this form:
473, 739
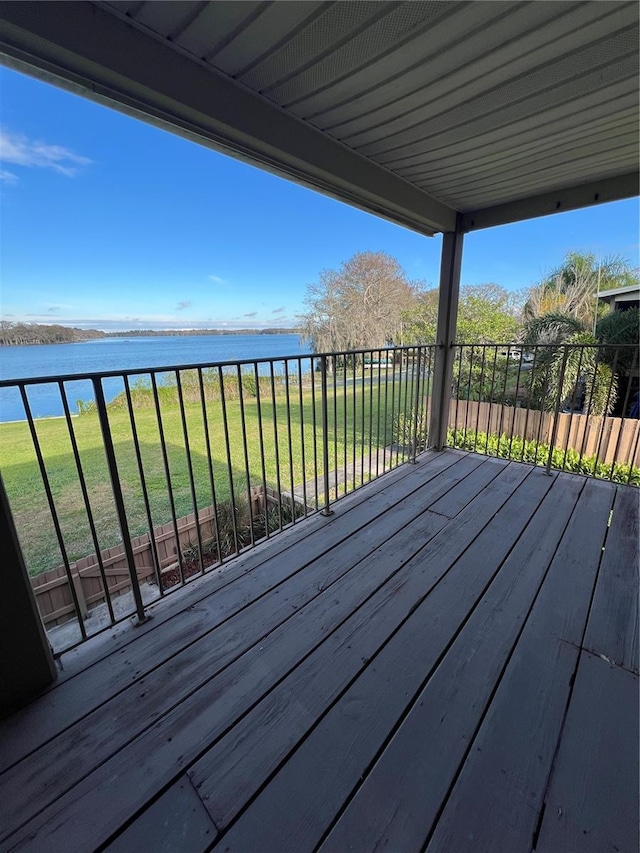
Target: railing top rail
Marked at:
515, 345
171, 368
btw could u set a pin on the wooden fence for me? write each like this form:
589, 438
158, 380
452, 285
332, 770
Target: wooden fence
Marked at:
611, 439
51, 588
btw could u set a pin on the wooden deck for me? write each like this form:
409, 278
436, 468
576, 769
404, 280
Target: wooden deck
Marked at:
449, 663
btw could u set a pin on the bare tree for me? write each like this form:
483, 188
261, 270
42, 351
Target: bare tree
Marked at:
358, 306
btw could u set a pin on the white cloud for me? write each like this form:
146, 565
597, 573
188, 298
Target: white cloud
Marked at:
8, 177
217, 279
278, 310
18, 149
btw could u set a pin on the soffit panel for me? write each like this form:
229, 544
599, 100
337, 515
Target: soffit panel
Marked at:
469, 103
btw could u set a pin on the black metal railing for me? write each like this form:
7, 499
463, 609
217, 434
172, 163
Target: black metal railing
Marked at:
570, 407
150, 477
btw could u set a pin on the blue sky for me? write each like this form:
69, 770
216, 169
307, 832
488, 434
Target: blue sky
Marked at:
110, 223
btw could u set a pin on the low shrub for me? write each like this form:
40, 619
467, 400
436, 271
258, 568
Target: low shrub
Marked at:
523, 450
514, 447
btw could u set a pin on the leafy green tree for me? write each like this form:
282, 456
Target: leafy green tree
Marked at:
487, 313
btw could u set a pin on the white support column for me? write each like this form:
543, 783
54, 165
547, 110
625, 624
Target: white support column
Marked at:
450, 266
26, 662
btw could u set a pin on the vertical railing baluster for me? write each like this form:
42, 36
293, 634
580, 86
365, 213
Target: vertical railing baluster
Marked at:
315, 431
303, 459
606, 407
85, 498
491, 395
192, 483
167, 472
480, 397
289, 441
334, 374
52, 509
460, 350
325, 436
345, 429
378, 416
116, 488
363, 395
370, 415
556, 417
275, 440
386, 411
207, 441
530, 391
573, 405
227, 445
143, 483
540, 419
623, 418
468, 400
245, 450
515, 400
355, 417
416, 382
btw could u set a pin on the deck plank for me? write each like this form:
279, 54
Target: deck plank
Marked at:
613, 623
236, 767
177, 821
27, 787
133, 776
265, 701
191, 618
398, 802
337, 754
596, 772
505, 776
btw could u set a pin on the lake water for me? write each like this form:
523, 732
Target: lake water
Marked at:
25, 362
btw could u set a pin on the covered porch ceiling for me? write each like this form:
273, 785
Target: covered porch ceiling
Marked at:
436, 115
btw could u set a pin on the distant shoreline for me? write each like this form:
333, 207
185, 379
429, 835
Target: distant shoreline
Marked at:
26, 334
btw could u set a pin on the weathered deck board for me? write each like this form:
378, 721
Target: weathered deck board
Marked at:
276, 704
613, 623
263, 738
234, 687
504, 778
399, 799
592, 804
176, 821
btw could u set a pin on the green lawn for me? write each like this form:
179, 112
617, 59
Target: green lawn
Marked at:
294, 424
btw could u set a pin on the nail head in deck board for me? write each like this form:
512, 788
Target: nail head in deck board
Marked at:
125, 665
500, 791
592, 804
323, 771
235, 768
613, 624
176, 822
154, 748
398, 802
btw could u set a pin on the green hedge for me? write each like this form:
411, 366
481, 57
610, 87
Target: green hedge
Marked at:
515, 448
537, 454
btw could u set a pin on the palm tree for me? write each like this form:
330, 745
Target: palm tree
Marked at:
586, 376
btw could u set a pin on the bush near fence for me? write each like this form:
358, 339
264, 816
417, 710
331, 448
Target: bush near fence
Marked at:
610, 439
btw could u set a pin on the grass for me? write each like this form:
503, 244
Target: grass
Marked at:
354, 426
